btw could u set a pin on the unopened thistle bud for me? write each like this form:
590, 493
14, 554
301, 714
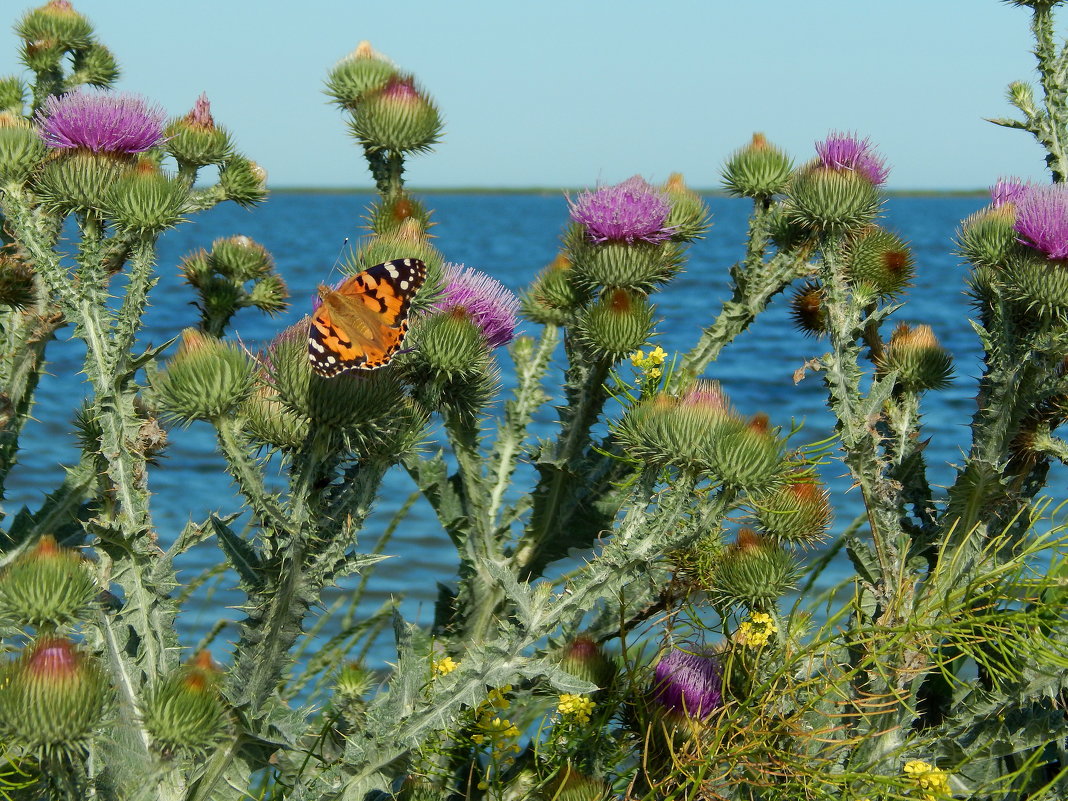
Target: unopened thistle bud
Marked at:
96, 66
389, 213
689, 217
145, 201
195, 140
47, 586
570, 785
822, 198
798, 511
362, 71
988, 237
79, 182
12, 95
240, 258
582, 657
205, 380
920, 361
185, 712
616, 325
21, 149
758, 170
881, 260
748, 457
397, 117
554, 296
808, 309
273, 423
754, 572
52, 698
56, 21
448, 342
244, 181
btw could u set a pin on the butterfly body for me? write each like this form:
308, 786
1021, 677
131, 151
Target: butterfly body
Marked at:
361, 324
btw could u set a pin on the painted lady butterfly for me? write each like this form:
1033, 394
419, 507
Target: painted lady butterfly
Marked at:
361, 324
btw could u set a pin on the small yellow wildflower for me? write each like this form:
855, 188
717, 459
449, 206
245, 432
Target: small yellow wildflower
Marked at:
650, 365
444, 666
495, 698
757, 630
933, 782
575, 708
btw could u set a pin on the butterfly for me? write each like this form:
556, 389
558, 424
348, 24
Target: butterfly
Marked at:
361, 324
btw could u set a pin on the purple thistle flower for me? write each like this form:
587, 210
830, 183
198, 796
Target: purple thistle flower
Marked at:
1042, 219
1007, 190
491, 306
842, 151
628, 212
688, 682
100, 121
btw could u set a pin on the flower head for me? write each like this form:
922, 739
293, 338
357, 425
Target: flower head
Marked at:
575, 708
488, 303
444, 666
1007, 190
200, 115
632, 211
1042, 219
689, 683
841, 151
101, 122
932, 782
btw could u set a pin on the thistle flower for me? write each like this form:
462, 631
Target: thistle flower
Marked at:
632, 211
842, 151
489, 304
105, 122
1007, 190
1042, 219
689, 683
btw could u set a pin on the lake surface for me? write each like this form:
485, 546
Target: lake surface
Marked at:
511, 237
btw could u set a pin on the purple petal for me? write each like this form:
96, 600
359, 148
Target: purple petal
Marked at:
1042, 219
105, 122
689, 683
492, 307
842, 151
628, 212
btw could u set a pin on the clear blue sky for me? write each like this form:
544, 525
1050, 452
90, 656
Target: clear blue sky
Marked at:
572, 92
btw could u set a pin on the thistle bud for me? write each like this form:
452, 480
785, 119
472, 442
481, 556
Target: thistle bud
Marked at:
920, 361
243, 181
808, 308
448, 343
195, 141
822, 198
689, 217
987, 238
146, 202
554, 296
583, 657
754, 572
185, 712
798, 511
397, 117
616, 325
21, 149
240, 258
759, 170
362, 71
390, 213
1022, 96
47, 586
42, 55
51, 698
881, 260
748, 457
272, 422
17, 287
79, 181
408, 240
485, 300
570, 785
56, 21
205, 380
12, 95
95, 65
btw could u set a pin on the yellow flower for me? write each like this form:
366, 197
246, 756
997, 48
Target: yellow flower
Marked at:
933, 782
575, 707
444, 666
650, 364
757, 630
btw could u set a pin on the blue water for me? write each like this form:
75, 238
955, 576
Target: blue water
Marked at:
510, 237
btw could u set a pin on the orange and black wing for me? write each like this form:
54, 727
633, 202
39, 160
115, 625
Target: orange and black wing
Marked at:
361, 324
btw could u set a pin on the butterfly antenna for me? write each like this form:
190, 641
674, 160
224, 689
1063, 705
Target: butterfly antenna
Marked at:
340, 251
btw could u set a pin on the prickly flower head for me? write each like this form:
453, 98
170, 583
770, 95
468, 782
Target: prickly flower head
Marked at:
489, 304
842, 151
107, 122
632, 211
1007, 190
689, 683
1042, 219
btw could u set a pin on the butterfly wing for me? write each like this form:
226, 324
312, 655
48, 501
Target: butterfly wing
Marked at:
361, 324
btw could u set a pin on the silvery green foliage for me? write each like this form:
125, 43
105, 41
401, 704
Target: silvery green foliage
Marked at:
945, 651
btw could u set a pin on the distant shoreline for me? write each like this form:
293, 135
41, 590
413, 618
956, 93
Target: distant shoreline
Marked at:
538, 190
